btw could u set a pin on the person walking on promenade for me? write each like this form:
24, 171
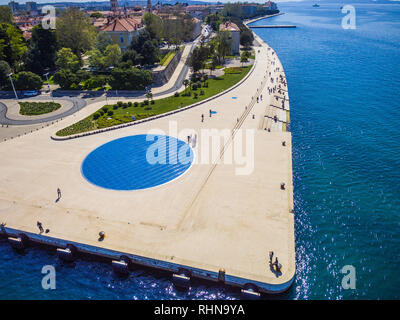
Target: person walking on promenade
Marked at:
39, 225
58, 194
202, 117
210, 113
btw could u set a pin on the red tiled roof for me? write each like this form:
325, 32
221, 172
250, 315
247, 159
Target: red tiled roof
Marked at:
123, 24
98, 23
228, 26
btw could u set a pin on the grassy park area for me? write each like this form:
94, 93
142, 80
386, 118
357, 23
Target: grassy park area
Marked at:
37, 108
110, 115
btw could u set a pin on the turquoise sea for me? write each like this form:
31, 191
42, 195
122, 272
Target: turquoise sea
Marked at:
345, 112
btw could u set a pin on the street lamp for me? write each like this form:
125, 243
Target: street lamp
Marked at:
48, 85
12, 83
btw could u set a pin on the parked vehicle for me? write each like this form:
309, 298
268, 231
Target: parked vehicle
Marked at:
30, 93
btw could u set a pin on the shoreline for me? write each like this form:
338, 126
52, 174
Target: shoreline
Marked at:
246, 22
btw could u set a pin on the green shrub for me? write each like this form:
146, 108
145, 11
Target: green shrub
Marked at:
104, 109
96, 116
120, 104
176, 95
37, 108
26, 80
202, 92
136, 104
233, 70
115, 106
81, 126
195, 95
129, 104
146, 102
75, 86
152, 102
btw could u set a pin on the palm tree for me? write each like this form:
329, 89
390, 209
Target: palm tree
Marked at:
214, 63
149, 95
185, 83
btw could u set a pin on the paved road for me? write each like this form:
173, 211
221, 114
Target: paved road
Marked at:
83, 99
78, 104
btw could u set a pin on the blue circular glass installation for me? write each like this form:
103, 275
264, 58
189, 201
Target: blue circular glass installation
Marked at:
137, 162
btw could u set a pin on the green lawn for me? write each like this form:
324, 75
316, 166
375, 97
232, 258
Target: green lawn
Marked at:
110, 115
37, 108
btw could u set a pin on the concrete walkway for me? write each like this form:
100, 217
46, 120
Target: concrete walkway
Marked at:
216, 216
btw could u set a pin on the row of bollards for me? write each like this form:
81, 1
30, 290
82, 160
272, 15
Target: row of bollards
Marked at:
181, 278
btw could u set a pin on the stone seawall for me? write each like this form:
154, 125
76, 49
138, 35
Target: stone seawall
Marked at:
162, 75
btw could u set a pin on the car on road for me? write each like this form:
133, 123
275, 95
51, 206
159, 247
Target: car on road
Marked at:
30, 93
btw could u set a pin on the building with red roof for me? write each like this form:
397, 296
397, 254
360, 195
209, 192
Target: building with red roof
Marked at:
234, 31
121, 30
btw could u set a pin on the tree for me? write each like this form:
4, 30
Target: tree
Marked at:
130, 79
75, 31
188, 27
95, 59
12, 44
149, 53
96, 15
143, 45
149, 96
244, 56
67, 60
82, 75
185, 83
214, 63
26, 80
214, 20
4, 72
233, 10
65, 78
95, 82
223, 45
173, 31
132, 57
102, 41
198, 58
246, 38
112, 56
41, 54
6, 15
154, 25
